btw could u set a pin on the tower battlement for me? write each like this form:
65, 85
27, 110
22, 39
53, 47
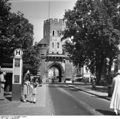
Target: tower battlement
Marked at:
52, 21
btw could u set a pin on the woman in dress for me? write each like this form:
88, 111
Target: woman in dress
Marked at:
115, 100
26, 83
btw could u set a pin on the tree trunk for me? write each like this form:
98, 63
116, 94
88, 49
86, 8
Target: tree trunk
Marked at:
99, 69
109, 80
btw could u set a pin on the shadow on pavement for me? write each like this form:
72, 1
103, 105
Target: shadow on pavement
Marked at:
75, 89
65, 87
105, 112
103, 89
57, 86
8, 96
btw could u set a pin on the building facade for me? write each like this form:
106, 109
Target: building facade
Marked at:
51, 51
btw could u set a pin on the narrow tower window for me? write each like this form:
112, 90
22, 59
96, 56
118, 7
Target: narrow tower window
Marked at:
53, 33
57, 45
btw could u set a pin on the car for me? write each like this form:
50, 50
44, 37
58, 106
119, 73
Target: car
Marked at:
77, 79
68, 80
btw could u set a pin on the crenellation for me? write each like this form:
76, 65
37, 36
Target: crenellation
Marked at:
54, 21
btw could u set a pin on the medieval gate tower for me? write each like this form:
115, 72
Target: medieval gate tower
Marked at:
51, 50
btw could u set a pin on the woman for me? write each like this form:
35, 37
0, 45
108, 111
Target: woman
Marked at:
115, 100
26, 83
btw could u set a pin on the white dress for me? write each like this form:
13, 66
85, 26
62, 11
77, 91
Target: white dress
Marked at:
115, 100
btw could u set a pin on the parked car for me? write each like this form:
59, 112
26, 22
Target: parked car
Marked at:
68, 80
77, 79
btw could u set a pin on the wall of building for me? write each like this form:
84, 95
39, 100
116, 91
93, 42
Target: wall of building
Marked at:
43, 51
52, 32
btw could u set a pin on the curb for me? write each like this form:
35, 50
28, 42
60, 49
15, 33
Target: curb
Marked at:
107, 98
103, 97
1, 97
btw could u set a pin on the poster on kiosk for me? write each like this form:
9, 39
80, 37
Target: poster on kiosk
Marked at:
17, 74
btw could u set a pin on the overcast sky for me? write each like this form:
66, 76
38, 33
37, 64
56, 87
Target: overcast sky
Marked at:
36, 11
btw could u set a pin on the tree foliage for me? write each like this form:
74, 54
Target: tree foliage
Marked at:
16, 32
31, 56
93, 27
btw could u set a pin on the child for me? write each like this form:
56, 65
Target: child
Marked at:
34, 84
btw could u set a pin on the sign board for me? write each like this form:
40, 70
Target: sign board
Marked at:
18, 53
17, 66
17, 62
16, 79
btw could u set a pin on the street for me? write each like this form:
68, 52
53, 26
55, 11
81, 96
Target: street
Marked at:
59, 99
70, 101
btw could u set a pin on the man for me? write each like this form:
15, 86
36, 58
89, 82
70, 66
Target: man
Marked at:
115, 100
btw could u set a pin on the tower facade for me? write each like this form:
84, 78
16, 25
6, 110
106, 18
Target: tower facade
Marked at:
52, 34
52, 51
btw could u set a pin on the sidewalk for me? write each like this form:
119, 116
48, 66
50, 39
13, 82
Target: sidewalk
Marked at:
100, 91
1, 97
43, 105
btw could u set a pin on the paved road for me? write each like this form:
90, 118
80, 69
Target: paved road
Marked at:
70, 101
64, 103
59, 99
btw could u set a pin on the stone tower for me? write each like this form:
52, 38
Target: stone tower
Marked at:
51, 50
52, 34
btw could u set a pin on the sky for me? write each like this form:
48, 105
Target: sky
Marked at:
36, 11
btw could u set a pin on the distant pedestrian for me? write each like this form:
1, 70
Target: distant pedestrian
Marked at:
115, 100
26, 82
2, 82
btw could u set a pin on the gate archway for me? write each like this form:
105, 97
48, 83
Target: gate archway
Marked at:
60, 69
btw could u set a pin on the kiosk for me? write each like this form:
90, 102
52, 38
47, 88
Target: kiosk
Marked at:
17, 74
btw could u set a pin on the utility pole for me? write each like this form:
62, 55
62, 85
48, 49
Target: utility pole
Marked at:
49, 10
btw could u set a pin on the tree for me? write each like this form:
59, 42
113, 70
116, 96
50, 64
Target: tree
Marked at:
15, 32
93, 33
4, 17
31, 56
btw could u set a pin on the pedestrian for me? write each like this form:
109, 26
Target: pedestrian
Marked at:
34, 84
26, 82
2, 82
115, 100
